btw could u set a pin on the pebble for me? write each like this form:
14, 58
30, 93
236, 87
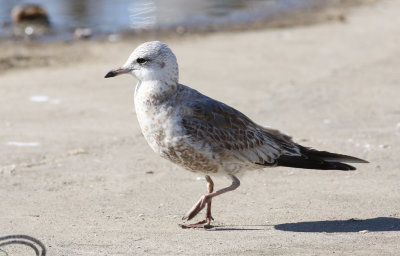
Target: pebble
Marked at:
29, 30
83, 33
9, 169
78, 151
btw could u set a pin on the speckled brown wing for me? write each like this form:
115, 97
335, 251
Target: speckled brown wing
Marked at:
223, 128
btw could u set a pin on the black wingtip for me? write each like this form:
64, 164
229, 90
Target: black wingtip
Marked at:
312, 163
323, 160
330, 157
112, 73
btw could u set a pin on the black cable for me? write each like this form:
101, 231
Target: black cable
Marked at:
32, 242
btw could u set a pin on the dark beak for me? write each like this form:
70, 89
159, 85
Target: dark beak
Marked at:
116, 72
112, 73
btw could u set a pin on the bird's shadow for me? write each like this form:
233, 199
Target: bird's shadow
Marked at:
379, 224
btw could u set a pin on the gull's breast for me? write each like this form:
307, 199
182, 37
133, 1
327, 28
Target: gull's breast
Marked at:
162, 128
157, 124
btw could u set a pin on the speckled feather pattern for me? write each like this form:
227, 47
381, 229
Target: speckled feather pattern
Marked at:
205, 135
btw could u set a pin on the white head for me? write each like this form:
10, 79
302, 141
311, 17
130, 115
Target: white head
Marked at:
150, 61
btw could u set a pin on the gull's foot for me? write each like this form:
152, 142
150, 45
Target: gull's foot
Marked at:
204, 200
201, 224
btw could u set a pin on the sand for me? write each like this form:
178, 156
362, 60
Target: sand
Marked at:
88, 183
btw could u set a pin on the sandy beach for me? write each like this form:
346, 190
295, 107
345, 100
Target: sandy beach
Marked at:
76, 172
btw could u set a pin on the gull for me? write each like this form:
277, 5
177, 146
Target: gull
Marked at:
206, 136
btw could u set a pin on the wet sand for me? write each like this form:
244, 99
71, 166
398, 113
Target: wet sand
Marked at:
92, 186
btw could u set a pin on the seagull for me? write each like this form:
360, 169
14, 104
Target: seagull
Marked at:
206, 136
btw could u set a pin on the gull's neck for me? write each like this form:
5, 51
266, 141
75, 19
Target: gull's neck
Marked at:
154, 91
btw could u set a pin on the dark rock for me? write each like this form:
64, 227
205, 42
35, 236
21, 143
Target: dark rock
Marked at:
30, 14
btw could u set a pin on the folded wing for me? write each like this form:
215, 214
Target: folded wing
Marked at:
223, 128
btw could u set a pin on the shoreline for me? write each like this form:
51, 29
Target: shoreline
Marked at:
26, 54
309, 14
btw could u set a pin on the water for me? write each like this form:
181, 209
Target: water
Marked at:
113, 16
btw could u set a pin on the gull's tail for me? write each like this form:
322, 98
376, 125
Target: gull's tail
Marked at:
321, 160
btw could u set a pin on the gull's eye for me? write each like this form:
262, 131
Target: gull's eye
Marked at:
141, 60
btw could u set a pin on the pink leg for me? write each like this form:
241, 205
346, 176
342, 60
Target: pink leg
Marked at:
206, 200
210, 187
